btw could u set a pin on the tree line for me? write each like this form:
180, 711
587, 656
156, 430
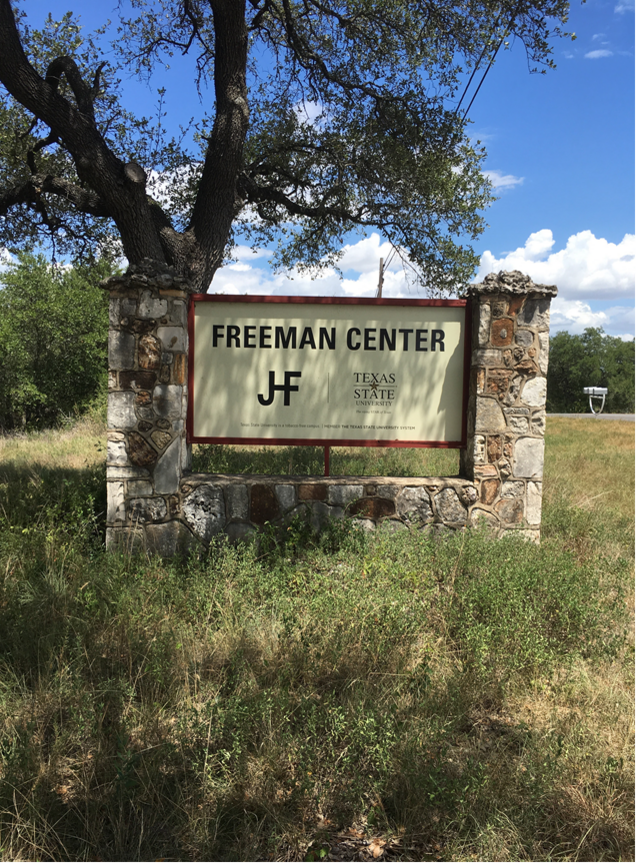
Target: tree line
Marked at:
53, 341
54, 336
592, 359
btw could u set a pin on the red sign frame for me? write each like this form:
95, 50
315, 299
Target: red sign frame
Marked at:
325, 442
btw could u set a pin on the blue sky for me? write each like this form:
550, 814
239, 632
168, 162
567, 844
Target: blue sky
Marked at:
560, 155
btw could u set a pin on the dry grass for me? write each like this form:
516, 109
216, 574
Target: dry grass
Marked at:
452, 699
78, 446
592, 462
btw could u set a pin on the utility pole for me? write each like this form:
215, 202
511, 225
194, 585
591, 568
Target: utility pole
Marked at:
380, 278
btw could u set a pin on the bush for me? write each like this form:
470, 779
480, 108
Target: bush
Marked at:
53, 341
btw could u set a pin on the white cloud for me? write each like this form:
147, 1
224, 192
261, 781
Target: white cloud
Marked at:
589, 273
574, 315
624, 6
360, 264
596, 55
503, 181
587, 268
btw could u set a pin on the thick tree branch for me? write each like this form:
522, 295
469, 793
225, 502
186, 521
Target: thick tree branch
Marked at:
30, 190
214, 208
96, 164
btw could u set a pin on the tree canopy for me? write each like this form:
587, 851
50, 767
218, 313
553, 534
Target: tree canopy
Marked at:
318, 117
53, 340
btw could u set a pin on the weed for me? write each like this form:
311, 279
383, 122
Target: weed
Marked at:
450, 698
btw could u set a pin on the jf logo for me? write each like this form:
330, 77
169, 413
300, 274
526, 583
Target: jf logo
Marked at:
287, 388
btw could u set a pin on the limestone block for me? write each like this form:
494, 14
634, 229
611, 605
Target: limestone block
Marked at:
510, 510
321, 512
534, 392
479, 449
513, 391
528, 458
167, 400
414, 504
487, 357
525, 338
114, 312
544, 347
504, 468
479, 517
172, 338
116, 472
143, 509
484, 325
128, 306
388, 491
151, 307
535, 313
489, 417
468, 495
168, 539
121, 350
116, 454
513, 488
204, 511
538, 423
186, 455
167, 473
238, 502
178, 313
121, 411
341, 495
518, 424
449, 507
139, 488
286, 495
533, 507
116, 506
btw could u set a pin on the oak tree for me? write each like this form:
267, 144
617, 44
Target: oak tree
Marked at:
318, 117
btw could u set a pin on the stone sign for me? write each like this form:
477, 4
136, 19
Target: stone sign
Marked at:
156, 504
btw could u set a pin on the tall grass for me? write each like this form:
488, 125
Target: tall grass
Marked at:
390, 695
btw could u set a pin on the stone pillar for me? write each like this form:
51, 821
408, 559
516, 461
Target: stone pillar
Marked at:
506, 412
147, 401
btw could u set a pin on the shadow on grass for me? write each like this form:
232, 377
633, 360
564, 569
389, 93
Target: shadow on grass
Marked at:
236, 708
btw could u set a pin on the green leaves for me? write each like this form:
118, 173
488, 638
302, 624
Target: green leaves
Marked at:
53, 335
354, 125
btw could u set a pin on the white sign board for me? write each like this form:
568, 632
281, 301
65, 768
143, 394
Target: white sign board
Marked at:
327, 371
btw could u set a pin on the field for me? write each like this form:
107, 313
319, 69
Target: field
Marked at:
384, 696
